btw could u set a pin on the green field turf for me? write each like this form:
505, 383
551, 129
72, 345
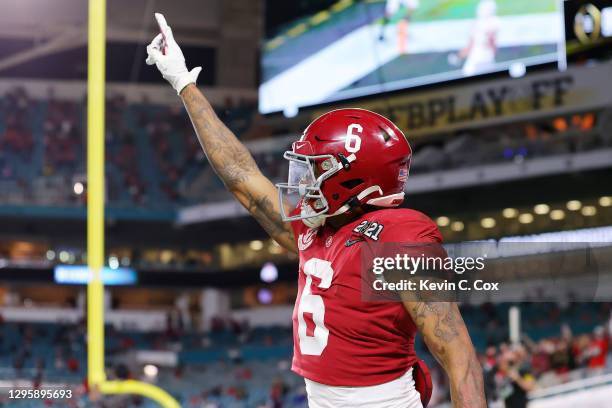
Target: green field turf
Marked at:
419, 65
462, 9
290, 47
428, 10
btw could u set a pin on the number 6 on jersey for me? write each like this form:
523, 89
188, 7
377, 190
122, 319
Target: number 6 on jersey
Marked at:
314, 345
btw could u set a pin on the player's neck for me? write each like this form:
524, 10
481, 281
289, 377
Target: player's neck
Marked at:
341, 220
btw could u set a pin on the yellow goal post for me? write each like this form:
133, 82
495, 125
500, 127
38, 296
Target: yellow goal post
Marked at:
96, 60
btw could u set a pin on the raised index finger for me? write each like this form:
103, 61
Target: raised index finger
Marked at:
163, 25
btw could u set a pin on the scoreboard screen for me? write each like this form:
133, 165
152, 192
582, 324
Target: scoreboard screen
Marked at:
358, 48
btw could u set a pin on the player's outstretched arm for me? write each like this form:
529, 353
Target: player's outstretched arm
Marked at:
447, 338
236, 167
230, 158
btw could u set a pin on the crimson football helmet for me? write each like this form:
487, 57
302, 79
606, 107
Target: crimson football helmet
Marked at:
344, 159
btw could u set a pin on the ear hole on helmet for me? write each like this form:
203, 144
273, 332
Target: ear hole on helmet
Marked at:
350, 184
385, 134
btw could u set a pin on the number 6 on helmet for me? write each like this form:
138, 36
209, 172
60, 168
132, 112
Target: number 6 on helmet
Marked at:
353, 141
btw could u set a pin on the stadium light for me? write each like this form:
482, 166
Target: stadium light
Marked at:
443, 221
605, 201
488, 222
256, 245
541, 209
457, 226
64, 256
113, 262
589, 210
264, 296
78, 188
268, 273
574, 205
50, 255
510, 213
557, 215
150, 370
525, 218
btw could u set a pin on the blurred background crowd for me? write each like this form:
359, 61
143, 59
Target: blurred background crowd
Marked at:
233, 364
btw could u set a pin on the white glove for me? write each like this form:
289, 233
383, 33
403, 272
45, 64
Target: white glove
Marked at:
165, 53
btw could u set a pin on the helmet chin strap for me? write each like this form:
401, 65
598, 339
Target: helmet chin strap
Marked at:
315, 222
312, 221
319, 220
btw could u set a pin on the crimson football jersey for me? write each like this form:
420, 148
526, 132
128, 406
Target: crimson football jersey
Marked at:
339, 339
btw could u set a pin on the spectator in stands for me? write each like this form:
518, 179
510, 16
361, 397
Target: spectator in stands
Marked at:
72, 364
519, 380
17, 137
175, 166
62, 138
490, 369
278, 391
579, 348
562, 359
598, 349
18, 362
59, 359
540, 359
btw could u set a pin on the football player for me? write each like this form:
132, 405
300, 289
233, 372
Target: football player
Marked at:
392, 7
347, 171
480, 52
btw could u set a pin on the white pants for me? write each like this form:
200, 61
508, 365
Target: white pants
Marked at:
479, 62
399, 393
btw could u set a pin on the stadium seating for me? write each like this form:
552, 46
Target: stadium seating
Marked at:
239, 367
154, 160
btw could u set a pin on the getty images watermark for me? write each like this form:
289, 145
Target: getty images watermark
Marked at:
430, 268
487, 272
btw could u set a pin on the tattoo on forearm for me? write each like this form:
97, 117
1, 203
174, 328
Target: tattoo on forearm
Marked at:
234, 164
230, 158
468, 391
263, 211
445, 317
449, 343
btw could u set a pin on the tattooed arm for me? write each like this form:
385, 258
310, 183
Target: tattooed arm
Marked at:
230, 159
447, 338
236, 167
